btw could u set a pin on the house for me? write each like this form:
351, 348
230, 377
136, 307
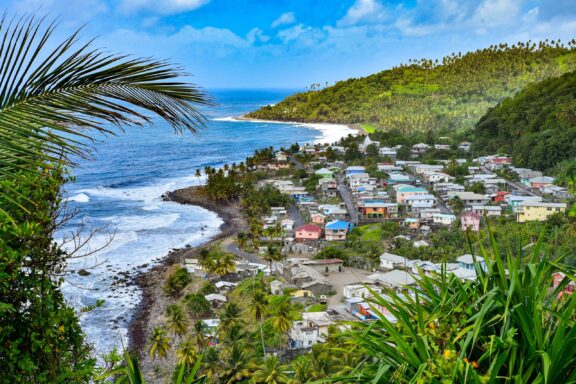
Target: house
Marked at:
437, 177
442, 147
540, 182
287, 224
443, 219
558, 278
469, 198
499, 196
355, 170
420, 201
388, 152
556, 191
302, 336
318, 218
420, 148
468, 262
404, 192
376, 209
308, 232
328, 187
420, 169
396, 279
470, 220
496, 163
537, 210
392, 261
428, 213
363, 291
464, 146
488, 210
366, 142
514, 201
324, 173
525, 174
398, 178
216, 300
281, 156
276, 287
337, 230
305, 277
389, 168
412, 223
420, 243
224, 286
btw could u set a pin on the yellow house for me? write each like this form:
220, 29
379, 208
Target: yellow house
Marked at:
537, 210
303, 293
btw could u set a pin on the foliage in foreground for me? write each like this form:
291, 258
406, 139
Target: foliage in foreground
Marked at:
508, 326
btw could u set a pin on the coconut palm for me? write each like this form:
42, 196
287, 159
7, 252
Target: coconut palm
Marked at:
282, 314
187, 352
198, 335
229, 315
258, 309
198, 173
55, 96
272, 254
270, 373
238, 364
224, 264
210, 363
177, 321
159, 343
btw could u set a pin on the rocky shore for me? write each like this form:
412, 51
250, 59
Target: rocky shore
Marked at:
154, 300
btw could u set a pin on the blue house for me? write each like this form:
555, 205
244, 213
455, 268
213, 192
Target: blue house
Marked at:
337, 230
355, 169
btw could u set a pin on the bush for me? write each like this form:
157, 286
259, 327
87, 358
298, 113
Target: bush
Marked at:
177, 281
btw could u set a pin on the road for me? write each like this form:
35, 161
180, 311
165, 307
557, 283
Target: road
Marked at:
231, 247
346, 196
294, 214
513, 184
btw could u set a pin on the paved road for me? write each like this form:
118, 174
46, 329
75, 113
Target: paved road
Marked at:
294, 214
514, 185
251, 257
346, 196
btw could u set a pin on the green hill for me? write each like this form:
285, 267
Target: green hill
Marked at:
451, 94
537, 126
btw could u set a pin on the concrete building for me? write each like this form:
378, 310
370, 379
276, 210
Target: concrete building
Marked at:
538, 211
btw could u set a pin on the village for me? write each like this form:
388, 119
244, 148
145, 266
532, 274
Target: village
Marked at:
334, 201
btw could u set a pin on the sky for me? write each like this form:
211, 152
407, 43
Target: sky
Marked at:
295, 43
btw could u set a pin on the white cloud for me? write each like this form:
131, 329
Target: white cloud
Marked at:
363, 12
284, 19
165, 7
256, 35
495, 13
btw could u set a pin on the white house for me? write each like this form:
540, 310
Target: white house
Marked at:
443, 219
281, 156
392, 261
420, 148
360, 290
420, 201
488, 210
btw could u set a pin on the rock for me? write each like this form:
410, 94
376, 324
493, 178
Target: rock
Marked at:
83, 272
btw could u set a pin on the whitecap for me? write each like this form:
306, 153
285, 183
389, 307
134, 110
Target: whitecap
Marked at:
79, 198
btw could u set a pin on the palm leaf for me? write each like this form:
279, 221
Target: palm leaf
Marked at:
53, 100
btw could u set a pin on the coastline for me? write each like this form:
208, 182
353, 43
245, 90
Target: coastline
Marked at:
150, 282
154, 301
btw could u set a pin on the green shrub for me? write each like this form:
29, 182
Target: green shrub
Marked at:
177, 281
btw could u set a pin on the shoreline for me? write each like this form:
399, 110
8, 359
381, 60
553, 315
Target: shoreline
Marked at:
150, 282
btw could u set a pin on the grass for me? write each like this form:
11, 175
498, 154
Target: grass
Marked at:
316, 308
368, 128
371, 232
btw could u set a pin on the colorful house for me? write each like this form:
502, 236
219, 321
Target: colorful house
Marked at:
318, 218
537, 210
541, 181
324, 173
337, 230
281, 156
308, 232
499, 196
470, 220
375, 209
404, 192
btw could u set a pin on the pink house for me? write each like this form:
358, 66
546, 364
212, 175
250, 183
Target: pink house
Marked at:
308, 232
470, 219
557, 280
318, 218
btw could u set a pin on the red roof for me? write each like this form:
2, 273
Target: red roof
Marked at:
501, 160
502, 193
473, 214
309, 228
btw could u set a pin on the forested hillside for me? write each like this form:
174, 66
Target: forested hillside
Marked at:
450, 94
537, 126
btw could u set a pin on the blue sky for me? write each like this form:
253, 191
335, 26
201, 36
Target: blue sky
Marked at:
294, 43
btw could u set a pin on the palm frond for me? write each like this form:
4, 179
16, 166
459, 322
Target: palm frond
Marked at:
53, 100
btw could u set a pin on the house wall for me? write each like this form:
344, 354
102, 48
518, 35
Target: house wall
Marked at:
536, 213
305, 235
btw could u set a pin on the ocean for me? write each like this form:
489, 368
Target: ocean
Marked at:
117, 202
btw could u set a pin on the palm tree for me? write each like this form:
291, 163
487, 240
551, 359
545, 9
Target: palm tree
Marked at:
187, 352
199, 335
198, 173
241, 238
229, 315
282, 314
237, 362
160, 343
55, 94
273, 254
258, 307
224, 264
211, 363
177, 321
196, 304
270, 373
